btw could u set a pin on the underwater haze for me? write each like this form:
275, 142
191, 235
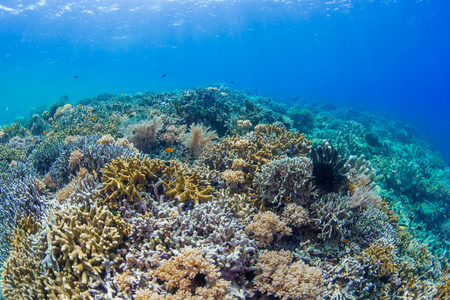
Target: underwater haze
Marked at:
388, 55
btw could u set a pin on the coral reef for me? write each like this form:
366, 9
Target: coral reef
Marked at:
87, 214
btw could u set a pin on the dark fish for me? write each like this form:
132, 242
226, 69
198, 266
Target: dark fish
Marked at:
167, 163
144, 140
76, 76
163, 75
232, 82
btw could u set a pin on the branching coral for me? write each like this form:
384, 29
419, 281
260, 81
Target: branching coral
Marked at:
283, 180
79, 241
186, 188
278, 277
380, 259
332, 217
267, 227
127, 179
190, 274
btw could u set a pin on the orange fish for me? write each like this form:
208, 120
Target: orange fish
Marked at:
87, 117
128, 111
168, 150
79, 105
122, 94
94, 119
345, 240
45, 132
287, 199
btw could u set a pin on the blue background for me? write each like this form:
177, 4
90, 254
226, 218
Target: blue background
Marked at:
386, 55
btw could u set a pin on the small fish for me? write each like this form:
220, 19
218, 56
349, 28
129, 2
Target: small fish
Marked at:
402, 227
87, 117
287, 199
163, 75
232, 82
94, 119
121, 94
168, 150
134, 132
79, 105
128, 111
343, 241
76, 76
144, 140
167, 163
45, 132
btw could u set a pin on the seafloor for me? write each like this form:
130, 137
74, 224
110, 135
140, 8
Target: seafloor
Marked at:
213, 193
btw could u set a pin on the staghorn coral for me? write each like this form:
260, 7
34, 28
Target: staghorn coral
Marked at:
198, 138
278, 277
267, 227
284, 180
22, 273
185, 188
380, 259
127, 179
332, 217
78, 242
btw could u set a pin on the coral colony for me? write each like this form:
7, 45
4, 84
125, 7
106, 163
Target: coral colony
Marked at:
213, 193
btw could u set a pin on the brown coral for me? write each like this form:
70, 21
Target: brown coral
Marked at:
280, 278
266, 227
190, 274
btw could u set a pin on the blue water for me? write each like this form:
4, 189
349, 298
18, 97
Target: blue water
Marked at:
386, 55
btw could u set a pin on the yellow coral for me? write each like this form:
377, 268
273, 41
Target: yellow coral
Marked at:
380, 256
126, 179
187, 188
